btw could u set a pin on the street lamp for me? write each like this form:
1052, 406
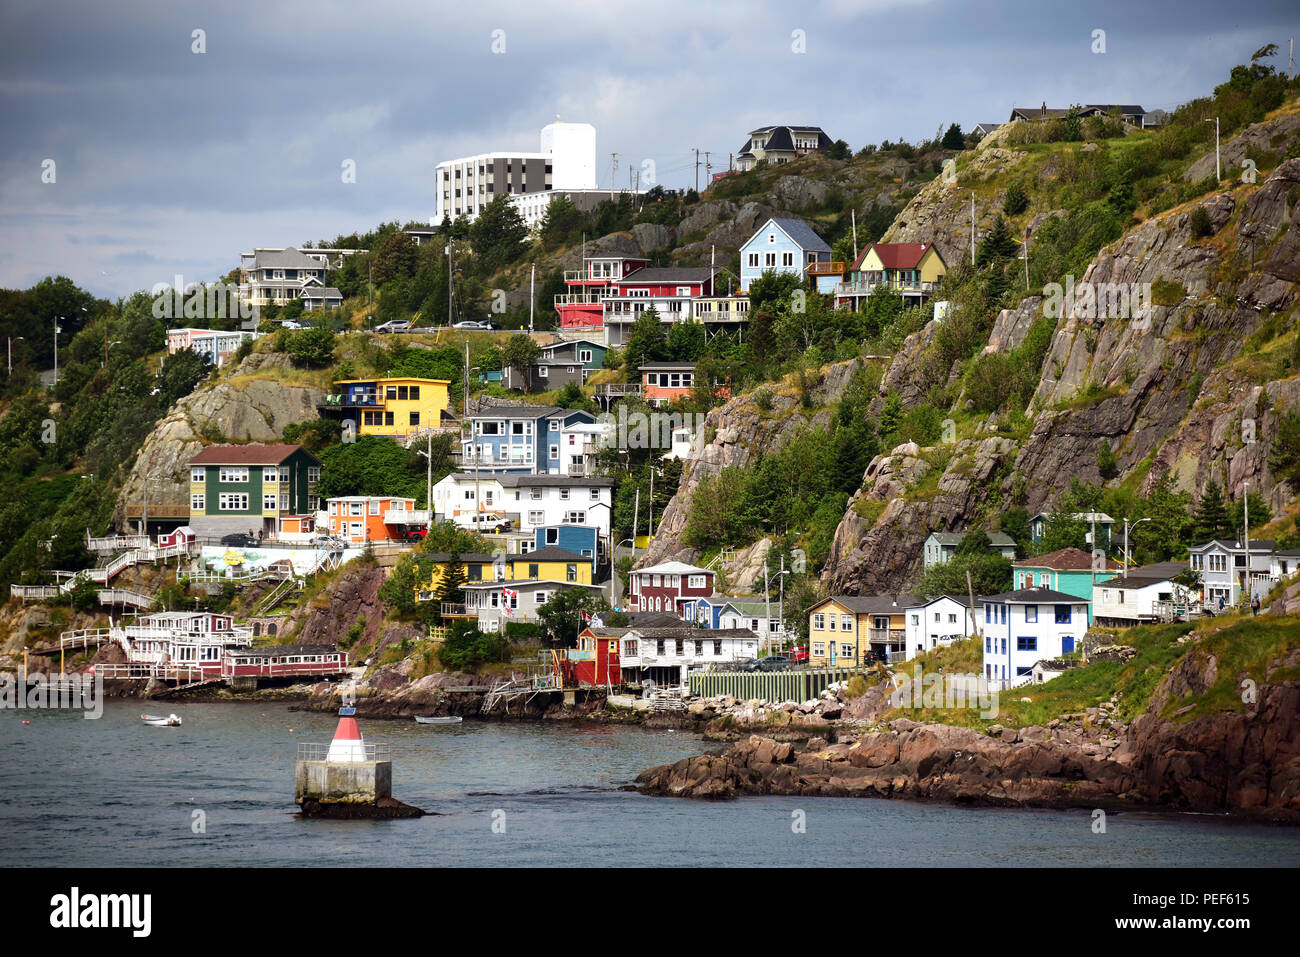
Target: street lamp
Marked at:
1127, 552
11, 351
107, 346
57, 330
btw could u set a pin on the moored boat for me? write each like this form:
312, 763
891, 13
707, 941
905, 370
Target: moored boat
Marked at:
451, 719
160, 721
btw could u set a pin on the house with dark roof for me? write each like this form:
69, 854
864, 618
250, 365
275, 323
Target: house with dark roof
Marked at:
783, 245
250, 488
1129, 112
1023, 627
849, 630
527, 438
1144, 594
1224, 573
665, 654
939, 621
912, 270
940, 547
780, 144
279, 276
984, 129
669, 290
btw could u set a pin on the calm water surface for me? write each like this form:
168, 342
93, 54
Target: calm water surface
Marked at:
115, 792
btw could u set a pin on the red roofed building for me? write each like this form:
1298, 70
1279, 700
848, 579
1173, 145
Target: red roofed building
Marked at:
913, 270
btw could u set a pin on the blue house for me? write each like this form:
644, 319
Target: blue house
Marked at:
527, 439
580, 539
784, 246
706, 611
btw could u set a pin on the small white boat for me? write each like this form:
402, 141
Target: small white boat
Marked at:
159, 721
453, 719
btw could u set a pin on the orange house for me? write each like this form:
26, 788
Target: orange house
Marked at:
663, 383
370, 518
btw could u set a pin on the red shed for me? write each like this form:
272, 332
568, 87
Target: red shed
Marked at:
595, 661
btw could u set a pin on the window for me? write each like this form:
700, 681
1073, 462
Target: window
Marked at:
540, 598
196, 503
629, 648
571, 572
846, 622
354, 508
717, 647
1031, 613
233, 476
819, 649
916, 619
988, 645
268, 502
564, 495
1026, 644
313, 473
233, 502
389, 418
552, 536
695, 581
374, 506
769, 259
1062, 614
787, 259
271, 475
532, 570
575, 518
543, 373
415, 418
819, 621
584, 355
198, 475
536, 518
1022, 671
595, 494
753, 260
415, 393
659, 646
846, 650
699, 649
555, 452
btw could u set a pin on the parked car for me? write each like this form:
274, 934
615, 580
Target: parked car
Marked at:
240, 540
799, 653
489, 522
289, 324
773, 663
874, 655
416, 534
472, 324
328, 541
394, 325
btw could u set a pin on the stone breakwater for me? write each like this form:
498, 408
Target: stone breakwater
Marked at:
1246, 763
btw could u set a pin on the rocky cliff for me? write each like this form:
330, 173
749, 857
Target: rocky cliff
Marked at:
247, 405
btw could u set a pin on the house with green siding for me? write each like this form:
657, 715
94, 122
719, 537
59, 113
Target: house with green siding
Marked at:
1066, 570
251, 488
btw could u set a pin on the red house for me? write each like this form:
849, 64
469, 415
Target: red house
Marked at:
595, 661
665, 587
581, 307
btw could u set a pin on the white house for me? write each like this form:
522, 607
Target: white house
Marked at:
938, 622
940, 547
1222, 564
1284, 563
496, 603
532, 501
1146, 594
1023, 627
666, 654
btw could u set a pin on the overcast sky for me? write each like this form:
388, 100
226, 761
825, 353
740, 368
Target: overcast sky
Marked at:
168, 161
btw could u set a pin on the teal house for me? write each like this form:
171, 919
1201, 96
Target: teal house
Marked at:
1067, 570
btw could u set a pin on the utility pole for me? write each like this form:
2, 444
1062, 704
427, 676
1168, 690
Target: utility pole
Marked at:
1290, 66
708, 169
57, 330
613, 165
449, 323
650, 530
1245, 527
1218, 166
970, 592
972, 227
532, 296
767, 606
370, 292
636, 508
697, 170
853, 217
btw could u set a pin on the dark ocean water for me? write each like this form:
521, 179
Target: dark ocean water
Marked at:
115, 792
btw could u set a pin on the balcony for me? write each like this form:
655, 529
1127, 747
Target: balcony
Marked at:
721, 309
399, 516
885, 635
582, 298
903, 288
833, 268
358, 399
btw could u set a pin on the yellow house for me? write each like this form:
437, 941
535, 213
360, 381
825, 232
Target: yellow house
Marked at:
849, 630
394, 407
544, 564
912, 270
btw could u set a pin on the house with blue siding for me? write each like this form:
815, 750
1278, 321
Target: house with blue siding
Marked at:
784, 246
1068, 570
584, 540
522, 438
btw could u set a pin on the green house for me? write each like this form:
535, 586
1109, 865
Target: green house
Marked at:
251, 488
1067, 570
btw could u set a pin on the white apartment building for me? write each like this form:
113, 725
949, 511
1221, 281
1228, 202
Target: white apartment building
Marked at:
534, 501
566, 161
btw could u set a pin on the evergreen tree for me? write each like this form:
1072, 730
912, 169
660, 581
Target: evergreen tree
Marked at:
498, 234
997, 245
1211, 518
645, 343
954, 139
1016, 201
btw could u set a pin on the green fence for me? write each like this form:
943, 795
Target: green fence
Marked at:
801, 685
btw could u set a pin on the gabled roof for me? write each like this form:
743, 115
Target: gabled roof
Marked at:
290, 258
320, 292
247, 454
996, 539
799, 232
868, 604
899, 255
667, 275
519, 410
1031, 596
551, 553
668, 365
671, 568
962, 600
1235, 545
1145, 575
1064, 560
687, 630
